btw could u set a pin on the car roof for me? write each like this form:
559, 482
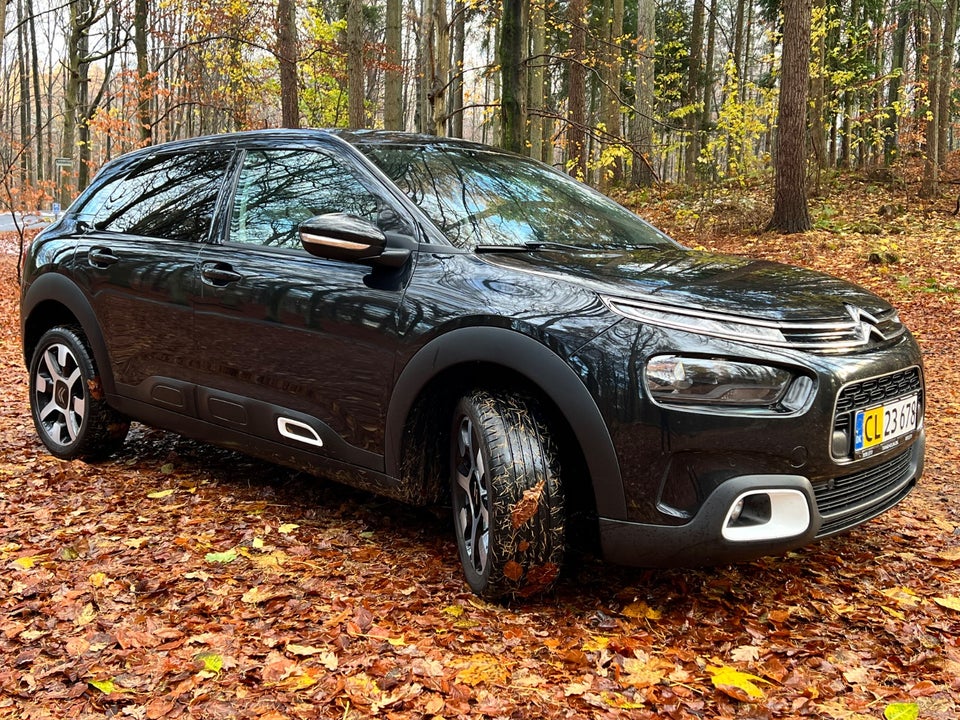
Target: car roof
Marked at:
356, 138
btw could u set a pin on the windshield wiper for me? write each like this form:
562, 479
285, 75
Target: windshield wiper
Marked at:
537, 246
532, 246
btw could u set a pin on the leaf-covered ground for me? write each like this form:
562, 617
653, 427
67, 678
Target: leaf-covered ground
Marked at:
178, 580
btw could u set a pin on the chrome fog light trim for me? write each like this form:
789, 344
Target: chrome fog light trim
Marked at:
760, 515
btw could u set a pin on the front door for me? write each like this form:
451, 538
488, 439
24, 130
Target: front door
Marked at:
292, 347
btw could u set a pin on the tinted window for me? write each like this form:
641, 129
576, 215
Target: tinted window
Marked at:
170, 197
279, 189
480, 197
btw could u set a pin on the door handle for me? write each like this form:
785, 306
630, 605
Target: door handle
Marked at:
101, 257
219, 274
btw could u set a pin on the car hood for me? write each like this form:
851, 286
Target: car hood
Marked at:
697, 280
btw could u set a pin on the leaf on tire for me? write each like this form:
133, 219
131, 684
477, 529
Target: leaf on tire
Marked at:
513, 570
528, 505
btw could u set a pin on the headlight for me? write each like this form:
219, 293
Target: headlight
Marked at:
703, 381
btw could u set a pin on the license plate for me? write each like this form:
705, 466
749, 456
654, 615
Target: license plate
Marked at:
875, 427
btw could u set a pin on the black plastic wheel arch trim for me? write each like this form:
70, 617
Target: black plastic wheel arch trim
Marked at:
543, 368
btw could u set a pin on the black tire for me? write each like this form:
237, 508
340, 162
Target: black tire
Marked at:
507, 499
66, 399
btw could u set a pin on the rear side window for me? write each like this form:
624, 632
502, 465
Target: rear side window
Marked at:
171, 197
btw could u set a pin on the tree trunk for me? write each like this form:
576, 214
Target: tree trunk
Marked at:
510, 55
931, 168
790, 200
144, 84
577, 98
946, 78
642, 170
456, 82
287, 58
611, 59
692, 99
818, 91
536, 94
393, 75
891, 138
355, 76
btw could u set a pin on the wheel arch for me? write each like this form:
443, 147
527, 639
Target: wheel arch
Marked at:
55, 300
467, 357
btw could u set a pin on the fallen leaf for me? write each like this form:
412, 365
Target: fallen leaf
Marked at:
901, 711
738, 685
640, 610
221, 557
160, 494
527, 506
951, 602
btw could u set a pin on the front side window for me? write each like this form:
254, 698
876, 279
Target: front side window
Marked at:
171, 197
279, 189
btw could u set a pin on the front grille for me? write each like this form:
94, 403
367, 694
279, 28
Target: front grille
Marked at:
877, 390
870, 393
853, 499
857, 330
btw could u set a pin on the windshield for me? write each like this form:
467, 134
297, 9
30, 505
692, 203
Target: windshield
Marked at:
480, 197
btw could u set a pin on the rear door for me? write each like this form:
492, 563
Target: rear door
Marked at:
290, 347
138, 264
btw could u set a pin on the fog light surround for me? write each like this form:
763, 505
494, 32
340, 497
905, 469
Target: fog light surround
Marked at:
759, 515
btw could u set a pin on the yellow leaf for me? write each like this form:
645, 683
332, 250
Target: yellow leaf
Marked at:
98, 579
951, 554
287, 528
453, 610
222, 557
727, 678
86, 616
25, 563
595, 643
640, 610
951, 602
903, 595
893, 613
161, 494
257, 543
212, 662
482, 668
901, 711
108, 686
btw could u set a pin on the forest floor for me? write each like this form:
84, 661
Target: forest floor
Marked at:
178, 580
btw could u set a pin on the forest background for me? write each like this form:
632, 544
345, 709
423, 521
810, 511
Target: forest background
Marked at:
622, 93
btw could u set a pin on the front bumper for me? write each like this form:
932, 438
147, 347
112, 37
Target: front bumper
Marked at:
846, 502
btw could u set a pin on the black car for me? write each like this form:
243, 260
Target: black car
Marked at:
437, 320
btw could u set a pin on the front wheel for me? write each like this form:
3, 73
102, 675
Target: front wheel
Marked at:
507, 499
66, 399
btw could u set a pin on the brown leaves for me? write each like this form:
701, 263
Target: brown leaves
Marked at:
334, 603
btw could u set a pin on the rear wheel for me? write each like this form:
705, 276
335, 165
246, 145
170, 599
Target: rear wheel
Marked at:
507, 499
66, 399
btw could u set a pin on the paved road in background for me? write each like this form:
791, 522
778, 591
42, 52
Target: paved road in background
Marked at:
7, 224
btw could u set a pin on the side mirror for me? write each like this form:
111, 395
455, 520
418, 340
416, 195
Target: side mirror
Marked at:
338, 236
